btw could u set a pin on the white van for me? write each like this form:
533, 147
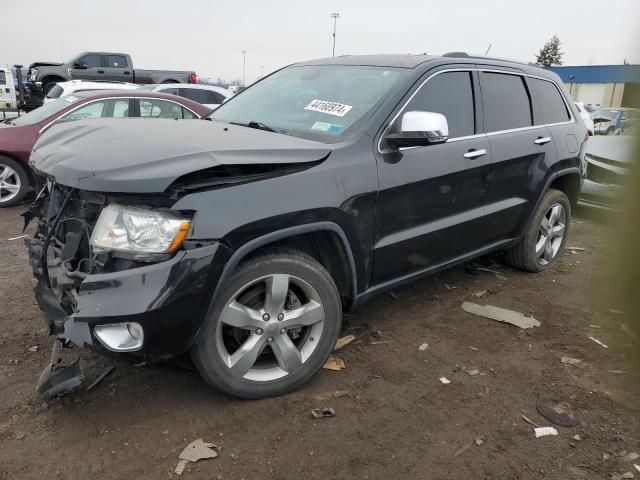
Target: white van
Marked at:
8, 100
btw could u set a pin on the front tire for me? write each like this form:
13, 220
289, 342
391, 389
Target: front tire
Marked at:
544, 239
14, 182
272, 327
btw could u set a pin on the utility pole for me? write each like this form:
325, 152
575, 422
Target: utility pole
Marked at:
244, 65
335, 17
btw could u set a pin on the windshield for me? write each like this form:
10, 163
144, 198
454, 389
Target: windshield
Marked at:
605, 114
315, 102
45, 111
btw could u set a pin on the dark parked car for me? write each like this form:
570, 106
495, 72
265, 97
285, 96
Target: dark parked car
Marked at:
96, 66
17, 135
243, 239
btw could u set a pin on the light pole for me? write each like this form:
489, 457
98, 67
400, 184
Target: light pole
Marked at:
335, 17
244, 65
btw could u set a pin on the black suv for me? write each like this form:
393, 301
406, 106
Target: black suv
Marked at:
241, 238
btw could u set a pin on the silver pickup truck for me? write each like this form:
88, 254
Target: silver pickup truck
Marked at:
108, 66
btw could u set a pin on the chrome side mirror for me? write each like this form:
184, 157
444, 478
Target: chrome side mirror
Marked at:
419, 129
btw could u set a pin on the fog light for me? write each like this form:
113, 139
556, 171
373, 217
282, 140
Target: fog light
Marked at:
121, 337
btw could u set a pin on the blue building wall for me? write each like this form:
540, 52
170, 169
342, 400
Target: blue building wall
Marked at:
598, 73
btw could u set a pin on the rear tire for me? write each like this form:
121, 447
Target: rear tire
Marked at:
543, 242
14, 182
242, 348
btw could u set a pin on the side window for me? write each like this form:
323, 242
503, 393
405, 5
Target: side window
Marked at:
120, 108
548, 104
187, 114
116, 61
505, 102
117, 108
91, 61
450, 94
195, 94
92, 110
3, 78
155, 108
214, 97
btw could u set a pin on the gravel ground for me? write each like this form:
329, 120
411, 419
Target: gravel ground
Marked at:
393, 419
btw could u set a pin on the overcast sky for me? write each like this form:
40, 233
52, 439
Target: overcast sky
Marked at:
208, 36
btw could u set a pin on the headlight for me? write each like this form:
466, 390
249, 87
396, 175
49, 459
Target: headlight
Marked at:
139, 230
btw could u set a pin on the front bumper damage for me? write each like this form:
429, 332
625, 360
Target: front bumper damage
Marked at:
78, 289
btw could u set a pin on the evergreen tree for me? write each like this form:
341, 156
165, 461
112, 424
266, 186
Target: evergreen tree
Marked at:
550, 54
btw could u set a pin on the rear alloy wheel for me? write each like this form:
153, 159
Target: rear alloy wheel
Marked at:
276, 326
14, 182
543, 241
551, 234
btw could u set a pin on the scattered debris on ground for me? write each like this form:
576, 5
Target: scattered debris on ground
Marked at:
473, 372
545, 431
393, 295
344, 341
598, 342
631, 457
576, 249
615, 311
34, 348
195, 451
529, 421
500, 315
102, 376
444, 380
475, 349
570, 361
341, 393
479, 294
334, 363
423, 347
462, 449
558, 412
479, 440
17, 238
323, 412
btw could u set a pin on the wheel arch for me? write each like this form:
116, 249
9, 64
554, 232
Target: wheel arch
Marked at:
324, 241
568, 182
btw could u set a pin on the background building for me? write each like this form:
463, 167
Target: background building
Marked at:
602, 85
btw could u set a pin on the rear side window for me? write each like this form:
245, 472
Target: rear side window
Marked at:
505, 102
214, 97
3, 78
450, 94
116, 61
548, 104
195, 94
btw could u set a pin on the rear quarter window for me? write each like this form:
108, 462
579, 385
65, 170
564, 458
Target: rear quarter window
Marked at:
548, 104
505, 102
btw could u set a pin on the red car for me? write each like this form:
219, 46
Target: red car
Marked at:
18, 135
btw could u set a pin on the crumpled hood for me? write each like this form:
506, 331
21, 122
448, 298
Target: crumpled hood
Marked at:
617, 148
141, 155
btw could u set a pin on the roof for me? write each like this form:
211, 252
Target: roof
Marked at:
598, 73
414, 61
400, 61
199, 108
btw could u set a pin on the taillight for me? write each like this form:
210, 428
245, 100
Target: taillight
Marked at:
193, 78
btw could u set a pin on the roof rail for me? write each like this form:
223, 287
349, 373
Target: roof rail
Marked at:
484, 57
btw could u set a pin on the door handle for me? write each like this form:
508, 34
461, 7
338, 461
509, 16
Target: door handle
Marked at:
100, 71
542, 140
471, 154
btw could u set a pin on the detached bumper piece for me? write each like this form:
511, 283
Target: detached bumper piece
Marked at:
57, 378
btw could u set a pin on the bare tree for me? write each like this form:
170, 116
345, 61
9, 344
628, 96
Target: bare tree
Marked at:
550, 54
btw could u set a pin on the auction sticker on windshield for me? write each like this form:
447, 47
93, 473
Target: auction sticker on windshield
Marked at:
330, 108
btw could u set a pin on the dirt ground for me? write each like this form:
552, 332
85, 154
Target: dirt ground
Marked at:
394, 418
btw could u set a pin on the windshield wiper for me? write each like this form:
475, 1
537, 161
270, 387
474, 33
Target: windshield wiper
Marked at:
256, 125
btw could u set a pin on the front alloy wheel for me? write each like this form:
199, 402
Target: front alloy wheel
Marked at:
272, 326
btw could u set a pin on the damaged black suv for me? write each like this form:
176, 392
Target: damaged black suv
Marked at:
241, 238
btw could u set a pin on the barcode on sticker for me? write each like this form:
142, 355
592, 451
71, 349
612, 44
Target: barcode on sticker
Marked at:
330, 108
